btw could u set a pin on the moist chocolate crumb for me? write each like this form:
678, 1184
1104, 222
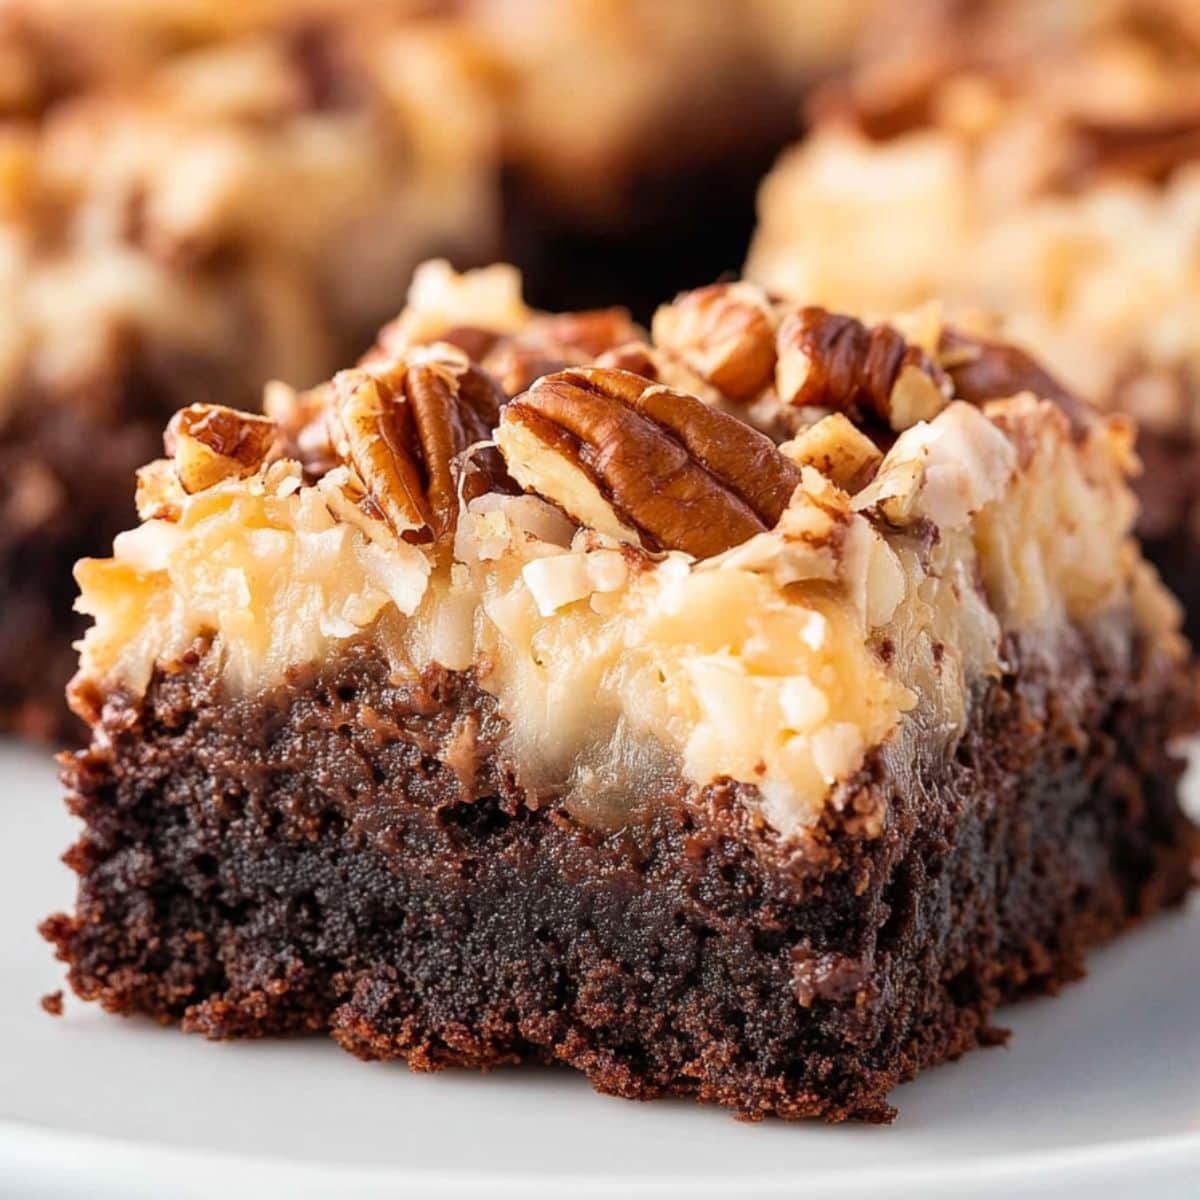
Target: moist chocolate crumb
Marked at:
52, 1003
272, 865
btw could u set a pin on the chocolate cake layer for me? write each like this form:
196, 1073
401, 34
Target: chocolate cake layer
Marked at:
352, 855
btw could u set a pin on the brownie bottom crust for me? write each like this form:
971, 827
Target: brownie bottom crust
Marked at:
355, 856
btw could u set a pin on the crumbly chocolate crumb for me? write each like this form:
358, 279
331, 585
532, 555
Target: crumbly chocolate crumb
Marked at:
281, 864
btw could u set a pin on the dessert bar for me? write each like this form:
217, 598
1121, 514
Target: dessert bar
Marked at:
741, 710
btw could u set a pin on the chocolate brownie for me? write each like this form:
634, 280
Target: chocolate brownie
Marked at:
745, 715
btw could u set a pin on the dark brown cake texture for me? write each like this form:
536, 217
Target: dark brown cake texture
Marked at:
372, 851
352, 857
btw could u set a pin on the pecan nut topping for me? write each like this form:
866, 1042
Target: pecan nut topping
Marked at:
211, 443
643, 463
838, 449
515, 363
870, 373
554, 342
301, 418
589, 332
546, 343
159, 495
403, 428
1131, 148
726, 333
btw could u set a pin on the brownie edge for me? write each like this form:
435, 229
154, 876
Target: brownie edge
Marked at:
354, 856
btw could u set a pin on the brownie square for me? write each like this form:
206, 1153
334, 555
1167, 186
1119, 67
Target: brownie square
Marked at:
472, 719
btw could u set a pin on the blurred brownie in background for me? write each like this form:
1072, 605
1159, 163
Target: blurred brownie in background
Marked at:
1035, 168
183, 219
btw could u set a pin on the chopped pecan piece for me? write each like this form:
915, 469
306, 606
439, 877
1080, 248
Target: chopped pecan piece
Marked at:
1139, 149
643, 463
831, 361
515, 363
302, 420
159, 495
839, 450
211, 443
726, 332
547, 343
637, 358
474, 342
589, 333
552, 343
402, 428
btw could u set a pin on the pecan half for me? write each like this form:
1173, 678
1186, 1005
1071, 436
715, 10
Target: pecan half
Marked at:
643, 463
211, 443
402, 429
827, 360
725, 332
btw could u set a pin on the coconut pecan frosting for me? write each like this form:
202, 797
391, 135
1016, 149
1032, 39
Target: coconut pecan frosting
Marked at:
759, 541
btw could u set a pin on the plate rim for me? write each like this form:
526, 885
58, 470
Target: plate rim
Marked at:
47, 1154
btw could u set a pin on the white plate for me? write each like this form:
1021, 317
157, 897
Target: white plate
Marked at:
1098, 1095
